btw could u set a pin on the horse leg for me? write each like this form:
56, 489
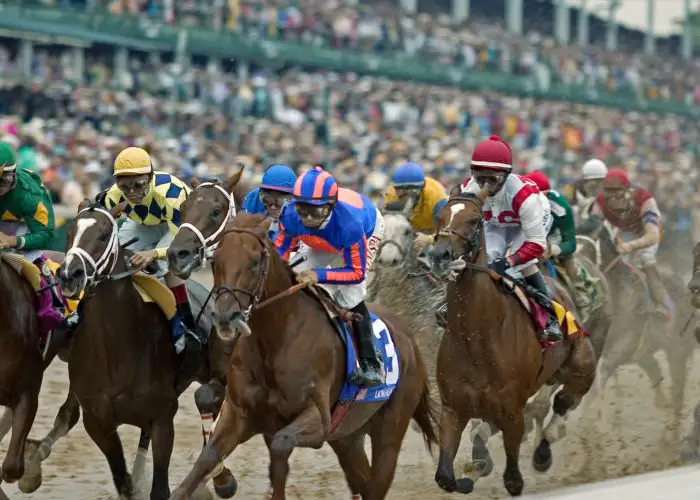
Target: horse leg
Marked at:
107, 440
67, 417
538, 408
22, 419
208, 398
691, 444
229, 430
305, 431
138, 469
353, 460
651, 367
513, 430
452, 425
162, 435
5, 423
580, 370
481, 458
678, 369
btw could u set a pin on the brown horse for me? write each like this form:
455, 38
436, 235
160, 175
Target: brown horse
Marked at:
122, 364
21, 374
288, 368
490, 360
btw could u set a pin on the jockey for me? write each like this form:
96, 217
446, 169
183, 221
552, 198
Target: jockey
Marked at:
561, 241
517, 215
589, 186
274, 193
153, 200
426, 196
333, 221
633, 210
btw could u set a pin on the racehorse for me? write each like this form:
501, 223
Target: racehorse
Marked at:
122, 365
490, 360
288, 369
638, 333
21, 374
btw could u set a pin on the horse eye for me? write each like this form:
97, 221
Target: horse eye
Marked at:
254, 263
407, 232
216, 213
104, 237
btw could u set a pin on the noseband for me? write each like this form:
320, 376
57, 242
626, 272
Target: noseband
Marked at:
257, 292
106, 262
208, 244
473, 241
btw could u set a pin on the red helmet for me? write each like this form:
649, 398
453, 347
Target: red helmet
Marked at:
539, 178
616, 178
493, 154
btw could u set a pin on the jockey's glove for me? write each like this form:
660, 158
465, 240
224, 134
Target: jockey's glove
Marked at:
500, 265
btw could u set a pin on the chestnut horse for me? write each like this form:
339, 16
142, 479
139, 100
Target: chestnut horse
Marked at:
122, 367
21, 375
490, 360
288, 368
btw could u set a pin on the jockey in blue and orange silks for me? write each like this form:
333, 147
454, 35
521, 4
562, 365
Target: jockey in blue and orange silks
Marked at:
274, 193
332, 222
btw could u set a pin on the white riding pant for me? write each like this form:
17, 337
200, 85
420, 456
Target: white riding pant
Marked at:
644, 257
149, 238
19, 229
347, 296
505, 240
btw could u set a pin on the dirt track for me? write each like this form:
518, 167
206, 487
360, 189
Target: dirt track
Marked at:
630, 437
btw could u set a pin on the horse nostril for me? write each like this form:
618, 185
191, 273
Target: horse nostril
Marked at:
394, 261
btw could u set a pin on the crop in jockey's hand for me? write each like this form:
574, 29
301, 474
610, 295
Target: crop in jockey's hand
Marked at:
143, 259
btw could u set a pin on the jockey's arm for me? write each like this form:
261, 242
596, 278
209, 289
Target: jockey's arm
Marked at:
439, 205
37, 212
564, 220
353, 270
651, 217
531, 216
285, 243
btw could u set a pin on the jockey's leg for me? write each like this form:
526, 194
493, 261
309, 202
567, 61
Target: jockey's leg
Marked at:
190, 341
657, 289
534, 278
580, 287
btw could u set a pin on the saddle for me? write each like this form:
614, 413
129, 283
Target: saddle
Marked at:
333, 310
151, 289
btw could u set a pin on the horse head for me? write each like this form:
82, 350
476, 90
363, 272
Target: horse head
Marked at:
460, 235
93, 248
203, 217
241, 266
397, 245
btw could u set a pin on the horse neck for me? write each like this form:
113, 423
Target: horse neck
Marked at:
15, 290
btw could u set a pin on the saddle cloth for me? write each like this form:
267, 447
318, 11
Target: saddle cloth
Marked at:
151, 289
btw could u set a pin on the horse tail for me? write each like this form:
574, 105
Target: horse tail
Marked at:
425, 414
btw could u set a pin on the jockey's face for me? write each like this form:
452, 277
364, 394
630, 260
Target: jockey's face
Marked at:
616, 197
493, 179
313, 216
592, 187
134, 187
408, 193
274, 201
7, 182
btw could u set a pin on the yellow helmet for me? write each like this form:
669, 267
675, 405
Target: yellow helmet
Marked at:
133, 161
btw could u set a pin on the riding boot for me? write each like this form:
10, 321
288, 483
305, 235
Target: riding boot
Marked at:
657, 291
190, 341
370, 370
552, 331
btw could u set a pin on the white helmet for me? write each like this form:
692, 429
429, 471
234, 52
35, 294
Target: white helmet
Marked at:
594, 169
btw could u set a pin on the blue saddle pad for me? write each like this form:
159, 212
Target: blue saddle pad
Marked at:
384, 345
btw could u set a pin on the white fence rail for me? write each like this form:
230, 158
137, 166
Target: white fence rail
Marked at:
682, 483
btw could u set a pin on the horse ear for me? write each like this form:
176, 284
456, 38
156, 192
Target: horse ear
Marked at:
455, 191
117, 210
483, 194
266, 225
84, 204
235, 178
194, 182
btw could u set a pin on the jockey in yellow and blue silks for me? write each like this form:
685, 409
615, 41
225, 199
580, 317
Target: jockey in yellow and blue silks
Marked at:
274, 193
428, 197
332, 222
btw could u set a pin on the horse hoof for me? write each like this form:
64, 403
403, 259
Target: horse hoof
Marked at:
29, 484
464, 485
542, 458
447, 484
515, 488
228, 488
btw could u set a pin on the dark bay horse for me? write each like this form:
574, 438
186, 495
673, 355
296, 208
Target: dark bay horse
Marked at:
490, 360
122, 364
636, 335
21, 374
287, 370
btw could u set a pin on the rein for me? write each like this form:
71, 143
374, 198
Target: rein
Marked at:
208, 244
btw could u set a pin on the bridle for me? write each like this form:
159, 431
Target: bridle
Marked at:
106, 262
257, 292
208, 244
473, 242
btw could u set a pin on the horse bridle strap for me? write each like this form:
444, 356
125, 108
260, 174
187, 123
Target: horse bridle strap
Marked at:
100, 265
209, 243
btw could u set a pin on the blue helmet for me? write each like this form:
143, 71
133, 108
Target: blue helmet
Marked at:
409, 175
279, 178
316, 187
